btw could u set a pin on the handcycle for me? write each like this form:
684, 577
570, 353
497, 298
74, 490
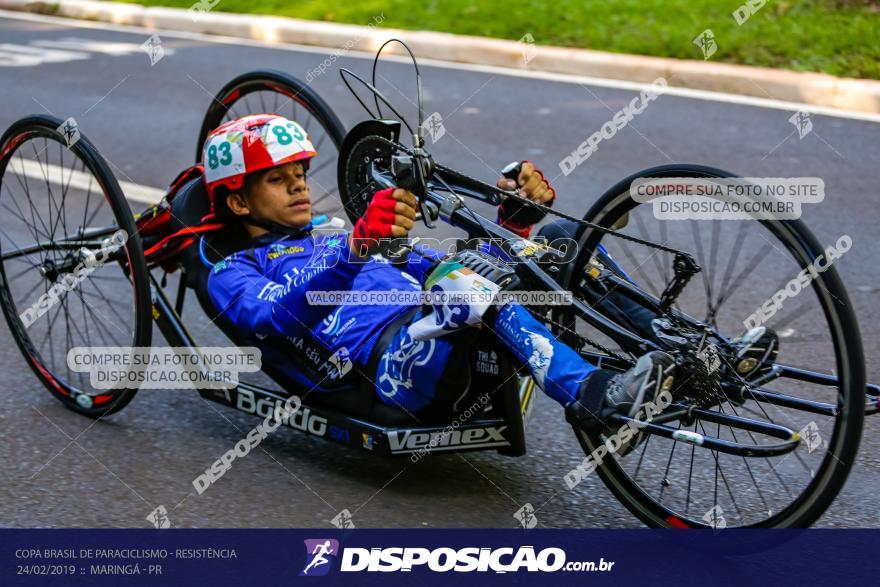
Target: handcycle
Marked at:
675, 477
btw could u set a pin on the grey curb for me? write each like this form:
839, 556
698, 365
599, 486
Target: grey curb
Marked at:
815, 89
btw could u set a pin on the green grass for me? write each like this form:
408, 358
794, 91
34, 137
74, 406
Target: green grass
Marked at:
840, 37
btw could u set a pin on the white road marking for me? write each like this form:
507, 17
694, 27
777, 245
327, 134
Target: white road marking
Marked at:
554, 77
25, 56
41, 171
63, 50
113, 48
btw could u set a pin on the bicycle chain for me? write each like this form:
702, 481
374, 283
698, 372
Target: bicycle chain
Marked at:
549, 210
586, 341
545, 209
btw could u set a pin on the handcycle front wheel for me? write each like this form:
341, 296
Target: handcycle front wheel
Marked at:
667, 483
65, 280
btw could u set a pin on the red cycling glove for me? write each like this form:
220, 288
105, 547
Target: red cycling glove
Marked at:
377, 221
518, 217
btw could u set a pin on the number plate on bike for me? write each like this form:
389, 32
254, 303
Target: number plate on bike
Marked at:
459, 298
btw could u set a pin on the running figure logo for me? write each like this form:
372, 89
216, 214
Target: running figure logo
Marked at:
706, 42
318, 556
154, 49
434, 126
70, 130
802, 122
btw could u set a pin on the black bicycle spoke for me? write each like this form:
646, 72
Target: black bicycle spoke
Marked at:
638, 267
64, 191
60, 215
731, 260
644, 231
231, 112
665, 481
321, 142
696, 233
745, 460
687, 502
720, 471
101, 326
51, 323
23, 220
642, 455
82, 337
98, 323
51, 196
95, 213
88, 199
28, 256
68, 338
82, 304
108, 303
34, 214
20, 273
664, 238
308, 118
713, 252
740, 279
323, 165
70, 345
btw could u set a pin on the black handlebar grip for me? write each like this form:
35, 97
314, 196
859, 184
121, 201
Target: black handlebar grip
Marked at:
514, 210
512, 171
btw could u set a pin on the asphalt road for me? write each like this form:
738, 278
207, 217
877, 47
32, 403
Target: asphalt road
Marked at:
62, 470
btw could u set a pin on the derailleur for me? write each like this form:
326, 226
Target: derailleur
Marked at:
684, 267
698, 360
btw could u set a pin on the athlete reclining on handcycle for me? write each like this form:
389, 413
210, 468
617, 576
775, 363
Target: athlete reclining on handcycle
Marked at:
255, 173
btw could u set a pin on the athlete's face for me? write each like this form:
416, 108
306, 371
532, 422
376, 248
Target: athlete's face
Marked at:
279, 195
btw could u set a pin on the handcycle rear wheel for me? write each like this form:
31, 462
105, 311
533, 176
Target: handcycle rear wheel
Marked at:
59, 197
818, 332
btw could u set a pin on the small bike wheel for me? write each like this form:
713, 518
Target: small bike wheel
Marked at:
667, 483
65, 280
274, 92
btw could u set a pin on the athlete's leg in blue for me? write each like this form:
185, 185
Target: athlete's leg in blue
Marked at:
557, 369
410, 369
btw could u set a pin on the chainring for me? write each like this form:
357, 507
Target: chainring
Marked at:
365, 146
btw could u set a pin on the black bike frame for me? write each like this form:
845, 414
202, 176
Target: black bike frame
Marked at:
514, 402
449, 207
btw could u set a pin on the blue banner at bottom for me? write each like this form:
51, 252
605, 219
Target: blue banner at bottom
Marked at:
436, 557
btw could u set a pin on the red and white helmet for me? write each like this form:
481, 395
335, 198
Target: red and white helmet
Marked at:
251, 143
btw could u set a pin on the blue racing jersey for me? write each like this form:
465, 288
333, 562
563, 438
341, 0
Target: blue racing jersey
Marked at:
264, 291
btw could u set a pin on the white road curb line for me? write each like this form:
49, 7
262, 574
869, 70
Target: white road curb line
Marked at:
81, 180
825, 94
